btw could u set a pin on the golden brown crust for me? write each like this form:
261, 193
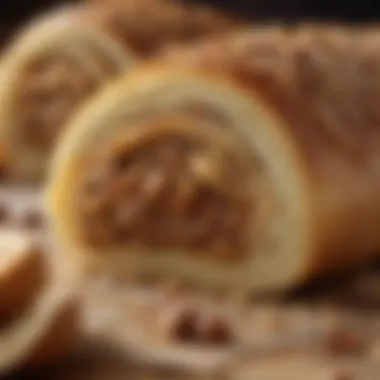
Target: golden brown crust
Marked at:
148, 26
306, 72
323, 82
171, 89
304, 100
145, 27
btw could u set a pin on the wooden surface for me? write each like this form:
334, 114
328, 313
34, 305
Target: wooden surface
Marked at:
124, 335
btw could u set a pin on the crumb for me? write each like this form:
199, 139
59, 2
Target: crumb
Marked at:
188, 324
184, 327
214, 330
32, 220
343, 342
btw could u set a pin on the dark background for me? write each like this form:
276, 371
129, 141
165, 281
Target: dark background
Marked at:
348, 10
15, 12
296, 10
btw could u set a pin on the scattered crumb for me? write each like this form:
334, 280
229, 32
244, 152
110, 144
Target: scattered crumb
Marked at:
341, 341
189, 324
214, 330
183, 327
32, 220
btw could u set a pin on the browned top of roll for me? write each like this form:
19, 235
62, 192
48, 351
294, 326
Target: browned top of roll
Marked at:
149, 25
323, 80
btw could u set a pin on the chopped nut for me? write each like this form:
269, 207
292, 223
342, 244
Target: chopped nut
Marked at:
155, 199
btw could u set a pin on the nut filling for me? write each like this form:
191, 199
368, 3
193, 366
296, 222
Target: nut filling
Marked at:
163, 186
51, 89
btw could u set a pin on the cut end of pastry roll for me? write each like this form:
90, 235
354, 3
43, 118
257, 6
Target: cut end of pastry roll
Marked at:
23, 273
43, 334
183, 175
46, 323
60, 334
48, 70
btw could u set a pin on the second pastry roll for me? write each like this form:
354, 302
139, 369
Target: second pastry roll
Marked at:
62, 57
249, 161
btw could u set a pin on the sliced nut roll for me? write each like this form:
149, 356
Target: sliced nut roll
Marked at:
62, 57
39, 305
48, 69
248, 162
